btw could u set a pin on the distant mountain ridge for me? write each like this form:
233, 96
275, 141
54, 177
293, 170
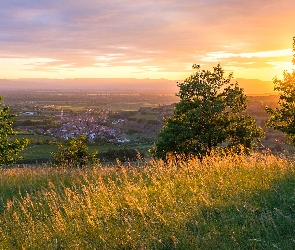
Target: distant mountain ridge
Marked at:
99, 84
251, 86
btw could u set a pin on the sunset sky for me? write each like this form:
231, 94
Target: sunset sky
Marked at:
145, 39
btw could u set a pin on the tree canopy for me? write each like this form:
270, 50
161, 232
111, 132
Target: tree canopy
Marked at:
208, 117
9, 147
283, 117
74, 154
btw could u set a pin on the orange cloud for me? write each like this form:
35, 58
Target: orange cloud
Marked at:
143, 38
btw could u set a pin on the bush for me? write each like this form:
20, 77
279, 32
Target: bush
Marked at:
74, 154
9, 148
123, 155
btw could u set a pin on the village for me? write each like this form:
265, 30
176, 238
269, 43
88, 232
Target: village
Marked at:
109, 122
69, 124
99, 125
111, 126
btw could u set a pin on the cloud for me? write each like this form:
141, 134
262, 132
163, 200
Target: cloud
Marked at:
216, 56
164, 34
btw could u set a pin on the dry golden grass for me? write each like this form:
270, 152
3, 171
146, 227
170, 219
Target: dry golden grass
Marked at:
233, 202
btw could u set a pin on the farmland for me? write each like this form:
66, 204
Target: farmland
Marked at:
111, 120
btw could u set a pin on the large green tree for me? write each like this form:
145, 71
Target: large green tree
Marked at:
9, 147
283, 117
74, 154
207, 117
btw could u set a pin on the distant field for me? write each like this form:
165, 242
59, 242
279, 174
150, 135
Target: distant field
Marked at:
32, 152
146, 117
74, 108
35, 118
35, 151
36, 137
41, 152
126, 106
81, 107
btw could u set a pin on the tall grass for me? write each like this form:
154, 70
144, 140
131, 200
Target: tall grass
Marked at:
234, 202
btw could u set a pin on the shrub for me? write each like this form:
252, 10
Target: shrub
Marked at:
74, 153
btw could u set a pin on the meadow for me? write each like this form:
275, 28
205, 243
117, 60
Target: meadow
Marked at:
233, 202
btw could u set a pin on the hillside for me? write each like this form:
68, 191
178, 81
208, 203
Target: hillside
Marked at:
236, 202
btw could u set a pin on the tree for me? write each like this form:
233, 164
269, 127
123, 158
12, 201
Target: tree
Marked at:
283, 117
207, 117
74, 154
9, 147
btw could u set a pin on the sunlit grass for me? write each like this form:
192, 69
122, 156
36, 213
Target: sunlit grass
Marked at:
233, 202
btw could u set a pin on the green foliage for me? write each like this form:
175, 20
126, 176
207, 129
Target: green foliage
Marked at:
283, 118
74, 154
9, 147
122, 154
208, 115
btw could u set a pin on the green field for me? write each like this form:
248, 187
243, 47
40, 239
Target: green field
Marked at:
110, 106
35, 152
41, 146
234, 202
75, 108
126, 106
36, 137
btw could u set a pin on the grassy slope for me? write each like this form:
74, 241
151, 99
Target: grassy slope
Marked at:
223, 203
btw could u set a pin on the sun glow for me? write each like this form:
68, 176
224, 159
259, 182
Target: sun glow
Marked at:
215, 56
126, 39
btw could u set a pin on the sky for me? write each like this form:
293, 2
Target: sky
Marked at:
145, 39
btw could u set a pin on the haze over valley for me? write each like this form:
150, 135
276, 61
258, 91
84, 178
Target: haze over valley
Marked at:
162, 86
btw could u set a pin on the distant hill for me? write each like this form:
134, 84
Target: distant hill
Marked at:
100, 84
251, 86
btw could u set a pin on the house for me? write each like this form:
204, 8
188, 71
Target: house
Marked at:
123, 140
